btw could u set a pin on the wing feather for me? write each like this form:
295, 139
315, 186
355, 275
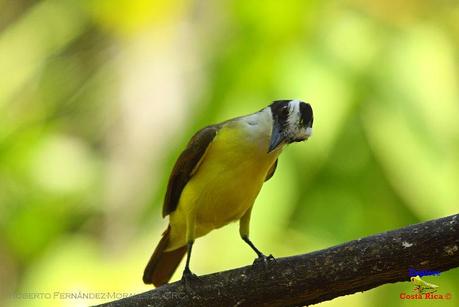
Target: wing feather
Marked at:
271, 171
186, 166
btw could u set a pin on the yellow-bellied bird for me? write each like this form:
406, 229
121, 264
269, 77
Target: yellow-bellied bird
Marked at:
218, 176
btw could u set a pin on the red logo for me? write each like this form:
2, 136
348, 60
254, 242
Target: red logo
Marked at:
424, 290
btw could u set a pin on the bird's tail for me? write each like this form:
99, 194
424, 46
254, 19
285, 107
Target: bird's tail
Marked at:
162, 264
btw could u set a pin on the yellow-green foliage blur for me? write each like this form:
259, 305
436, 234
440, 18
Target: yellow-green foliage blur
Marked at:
97, 99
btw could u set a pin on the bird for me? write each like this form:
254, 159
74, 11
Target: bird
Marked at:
422, 286
217, 178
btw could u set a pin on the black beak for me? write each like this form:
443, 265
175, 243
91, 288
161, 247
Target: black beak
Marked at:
276, 137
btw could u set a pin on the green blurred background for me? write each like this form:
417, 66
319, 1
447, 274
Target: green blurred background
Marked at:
97, 99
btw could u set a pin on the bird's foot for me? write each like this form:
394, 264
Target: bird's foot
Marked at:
188, 278
263, 260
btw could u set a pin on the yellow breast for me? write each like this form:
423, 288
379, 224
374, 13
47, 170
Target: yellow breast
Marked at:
227, 182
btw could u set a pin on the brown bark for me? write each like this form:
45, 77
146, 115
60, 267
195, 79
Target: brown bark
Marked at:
322, 275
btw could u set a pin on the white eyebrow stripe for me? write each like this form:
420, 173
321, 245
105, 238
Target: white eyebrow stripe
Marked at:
293, 112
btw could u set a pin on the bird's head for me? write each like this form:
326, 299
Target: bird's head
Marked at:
292, 122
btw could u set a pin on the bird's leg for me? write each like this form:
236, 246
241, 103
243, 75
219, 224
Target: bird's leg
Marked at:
244, 225
262, 258
255, 249
188, 276
187, 272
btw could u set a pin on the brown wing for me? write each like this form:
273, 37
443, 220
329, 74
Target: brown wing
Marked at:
186, 165
271, 170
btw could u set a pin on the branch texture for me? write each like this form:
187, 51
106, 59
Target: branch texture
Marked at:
311, 278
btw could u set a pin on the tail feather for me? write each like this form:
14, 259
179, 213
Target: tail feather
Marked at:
162, 264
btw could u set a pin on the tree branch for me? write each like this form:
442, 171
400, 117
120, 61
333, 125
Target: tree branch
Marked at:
311, 278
